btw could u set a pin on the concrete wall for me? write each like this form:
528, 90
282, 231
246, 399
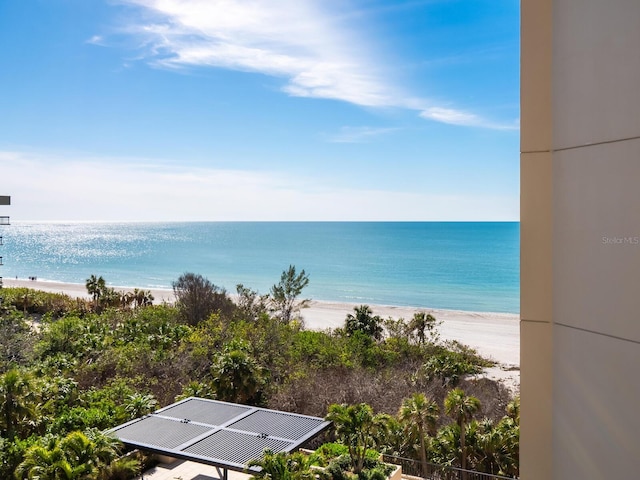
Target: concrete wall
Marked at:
580, 252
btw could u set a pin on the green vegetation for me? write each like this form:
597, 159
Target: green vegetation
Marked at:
364, 322
283, 466
419, 416
358, 428
71, 368
461, 408
284, 294
76, 456
332, 461
462, 440
197, 298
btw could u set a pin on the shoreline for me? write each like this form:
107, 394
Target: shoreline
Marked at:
493, 335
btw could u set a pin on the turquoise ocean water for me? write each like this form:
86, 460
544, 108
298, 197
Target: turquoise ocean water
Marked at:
453, 265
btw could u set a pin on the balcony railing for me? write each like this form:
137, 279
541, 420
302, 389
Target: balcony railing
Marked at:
413, 468
4, 220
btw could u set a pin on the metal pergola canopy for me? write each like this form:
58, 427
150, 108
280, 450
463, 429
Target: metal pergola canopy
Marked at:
225, 435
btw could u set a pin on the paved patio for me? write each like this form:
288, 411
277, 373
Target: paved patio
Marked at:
186, 470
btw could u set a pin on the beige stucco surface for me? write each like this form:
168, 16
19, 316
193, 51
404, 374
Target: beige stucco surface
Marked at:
596, 71
536, 240
536, 133
580, 239
536, 428
597, 238
596, 388
536, 236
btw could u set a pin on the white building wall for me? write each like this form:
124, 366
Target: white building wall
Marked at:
580, 218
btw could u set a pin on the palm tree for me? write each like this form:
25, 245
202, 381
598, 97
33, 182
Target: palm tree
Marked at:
358, 428
106, 449
79, 450
140, 404
282, 466
485, 442
237, 376
123, 468
142, 298
56, 461
95, 287
461, 408
423, 323
109, 297
393, 439
510, 450
76, 456
513, 410
16, 403
197, 389
419, 414
44, 463
494, 447
126, 299
363, 321
444, 449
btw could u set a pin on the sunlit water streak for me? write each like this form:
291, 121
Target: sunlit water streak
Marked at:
454, 265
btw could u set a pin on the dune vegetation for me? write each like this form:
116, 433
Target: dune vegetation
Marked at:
71, 368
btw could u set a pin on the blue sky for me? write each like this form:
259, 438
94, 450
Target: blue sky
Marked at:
260, 110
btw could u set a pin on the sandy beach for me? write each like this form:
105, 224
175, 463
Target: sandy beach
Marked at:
494, 335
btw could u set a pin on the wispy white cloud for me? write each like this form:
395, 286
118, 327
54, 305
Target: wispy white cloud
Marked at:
318, 52
294, 39
55, 187
96, 40
358, 134
448, 115
458, 117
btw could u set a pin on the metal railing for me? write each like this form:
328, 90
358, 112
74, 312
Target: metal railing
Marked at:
414, 468
4, 220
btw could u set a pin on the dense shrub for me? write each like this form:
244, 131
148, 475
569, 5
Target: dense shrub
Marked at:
30, 301
97, 370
